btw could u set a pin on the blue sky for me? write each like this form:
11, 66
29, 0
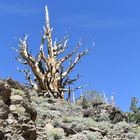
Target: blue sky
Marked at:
113, 65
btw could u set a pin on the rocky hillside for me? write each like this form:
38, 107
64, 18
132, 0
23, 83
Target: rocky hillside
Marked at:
25, 116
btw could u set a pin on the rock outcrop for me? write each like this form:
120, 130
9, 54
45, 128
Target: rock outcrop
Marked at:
101, 111
17, 115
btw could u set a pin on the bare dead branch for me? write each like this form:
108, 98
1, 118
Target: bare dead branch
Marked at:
48, 33
74, 63
76, 88
59, 45
21, 61
70, 54
28, 77
15, 50
66, 82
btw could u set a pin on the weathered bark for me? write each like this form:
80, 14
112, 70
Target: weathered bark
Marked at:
48, 71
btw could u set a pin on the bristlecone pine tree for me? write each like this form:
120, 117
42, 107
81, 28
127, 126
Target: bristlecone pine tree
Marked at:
48, 70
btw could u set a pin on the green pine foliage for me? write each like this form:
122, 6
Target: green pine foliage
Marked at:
92, 97
134, 115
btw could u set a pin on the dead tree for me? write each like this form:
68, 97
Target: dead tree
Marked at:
48, 70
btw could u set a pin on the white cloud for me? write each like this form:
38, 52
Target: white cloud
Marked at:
106, 24
18, 9
86, 21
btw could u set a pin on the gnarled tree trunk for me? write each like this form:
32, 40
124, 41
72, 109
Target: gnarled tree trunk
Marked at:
48, 70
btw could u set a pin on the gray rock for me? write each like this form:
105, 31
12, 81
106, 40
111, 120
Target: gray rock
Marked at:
4, 110
1, 134
101, 111
12, 108
5, 93
16, 98
30, 134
